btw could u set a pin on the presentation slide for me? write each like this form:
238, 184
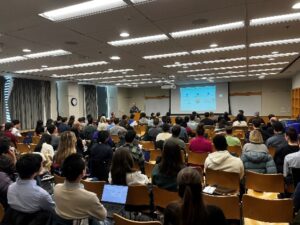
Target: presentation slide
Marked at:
200, 98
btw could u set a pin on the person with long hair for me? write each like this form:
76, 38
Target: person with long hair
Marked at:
71, 121
164, 174
39, 129
191, 210
66, 147
122, 169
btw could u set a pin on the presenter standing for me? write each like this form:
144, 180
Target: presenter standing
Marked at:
134, 108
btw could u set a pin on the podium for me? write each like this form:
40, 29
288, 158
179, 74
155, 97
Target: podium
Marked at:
137, 116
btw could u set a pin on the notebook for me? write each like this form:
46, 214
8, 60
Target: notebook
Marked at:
114, 198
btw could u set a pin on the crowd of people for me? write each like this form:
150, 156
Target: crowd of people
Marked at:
84, 149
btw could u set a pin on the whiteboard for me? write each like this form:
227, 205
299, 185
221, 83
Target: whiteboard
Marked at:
250, 104
157, 105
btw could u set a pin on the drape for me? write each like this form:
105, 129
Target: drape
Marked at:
29, 100
90, 94
2, 103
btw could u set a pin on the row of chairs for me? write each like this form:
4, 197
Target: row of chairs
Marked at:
25, 148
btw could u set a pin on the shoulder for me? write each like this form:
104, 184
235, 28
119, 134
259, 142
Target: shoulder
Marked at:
215, 215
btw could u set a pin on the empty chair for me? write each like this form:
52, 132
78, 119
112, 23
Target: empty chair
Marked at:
137, 198
228, 180
22, 148
163, 197
197, 158
148, 169
230, 205
119, 220
94, 186
257, 182
270, 211
237, 150
58, 179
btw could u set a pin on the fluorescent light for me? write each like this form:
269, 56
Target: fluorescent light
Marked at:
57, 52
139, 40
26, 50
183, 64
63, 67
261, 77
274, 55
271, 59
168, 55
225, 60
214, 45
275, 19
275, 52
83, 9
207, 30
277, 42
216, 68
268, 64
296, 5
115, 58
263, 70
220, 49
124, 34
44, 66
12, 59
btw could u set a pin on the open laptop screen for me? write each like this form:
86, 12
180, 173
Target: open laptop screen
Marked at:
114, 194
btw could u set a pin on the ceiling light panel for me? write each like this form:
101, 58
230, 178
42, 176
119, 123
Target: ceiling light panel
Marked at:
168, 55
87, 8
216, 68
220, 49
58, 52
263, 70
92, 73
296, 5
12, 59
268, 64
276, 42
275, 19
207, 30
274, 55
139, 40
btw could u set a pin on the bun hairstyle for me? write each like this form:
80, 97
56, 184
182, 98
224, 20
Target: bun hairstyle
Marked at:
190, 190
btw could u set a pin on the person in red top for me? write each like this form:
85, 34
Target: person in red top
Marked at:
7, 133
200, 144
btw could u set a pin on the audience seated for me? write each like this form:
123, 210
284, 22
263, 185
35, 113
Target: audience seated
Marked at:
291, 147
255, 155
225, 117
207, 120
175, 137
221, 159
291, 160
183, 133
44, 146
165, 134
63, 126
230, 139
200, 144
53, 131
117, 129
39, 129
278, 139
89, 129
72, 201
122, 169
257, 126
71, 121
16, 128
100, 157
143, 119
155, 130
102, 125
256, 117
240, 121
192, 123
191, 210
165, 173
7, 133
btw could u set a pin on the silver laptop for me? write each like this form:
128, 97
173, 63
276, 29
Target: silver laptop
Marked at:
114, 198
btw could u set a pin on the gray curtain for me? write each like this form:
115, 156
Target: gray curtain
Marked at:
2, 106
90, 94
28, 100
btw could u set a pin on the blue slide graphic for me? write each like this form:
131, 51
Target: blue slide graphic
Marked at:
198, 98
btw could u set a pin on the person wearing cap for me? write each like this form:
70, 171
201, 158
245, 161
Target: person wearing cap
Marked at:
255, 155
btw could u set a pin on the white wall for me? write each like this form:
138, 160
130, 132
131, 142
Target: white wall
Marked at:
296, 81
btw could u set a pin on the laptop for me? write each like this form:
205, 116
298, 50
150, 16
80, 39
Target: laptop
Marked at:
114, 198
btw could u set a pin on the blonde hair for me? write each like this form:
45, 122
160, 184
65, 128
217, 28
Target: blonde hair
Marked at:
256, 137
66, 147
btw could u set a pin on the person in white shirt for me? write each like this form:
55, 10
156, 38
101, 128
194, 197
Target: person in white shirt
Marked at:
192, 123
240, 121
165, 133
15, 130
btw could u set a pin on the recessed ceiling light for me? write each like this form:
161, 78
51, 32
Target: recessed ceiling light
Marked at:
168, 55
220, 49
275, 19
26, 50
207, 30
261, 77
275, 52
139, 40
271, 59
44, 66
124, 34
296, 5
85, 9
214, 45
115, 58
275, 42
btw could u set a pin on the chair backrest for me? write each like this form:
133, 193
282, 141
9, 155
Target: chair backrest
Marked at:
20, 139
272, 151
264, 182
2, 211
148, 169
22, 148
235, 149
224, 179
154, 154
296, 176
272, 211
119, 220
148, 145
32, 147
163, 197
230, 205
94, 186
58, 179
115, 138
35, 139
197, 158
138, 195
239, 133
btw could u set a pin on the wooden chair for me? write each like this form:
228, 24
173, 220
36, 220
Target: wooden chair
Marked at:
32, 147
163, 197
224, 179
230, 205
35, 139
147, 145
94, 186
20, 139
2, 212
22, 148
58, 179
115, 138
272, 151
270, 211
237, 150
154, 154
197, 159
148, 169
137, 198
119, 220
239, 134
